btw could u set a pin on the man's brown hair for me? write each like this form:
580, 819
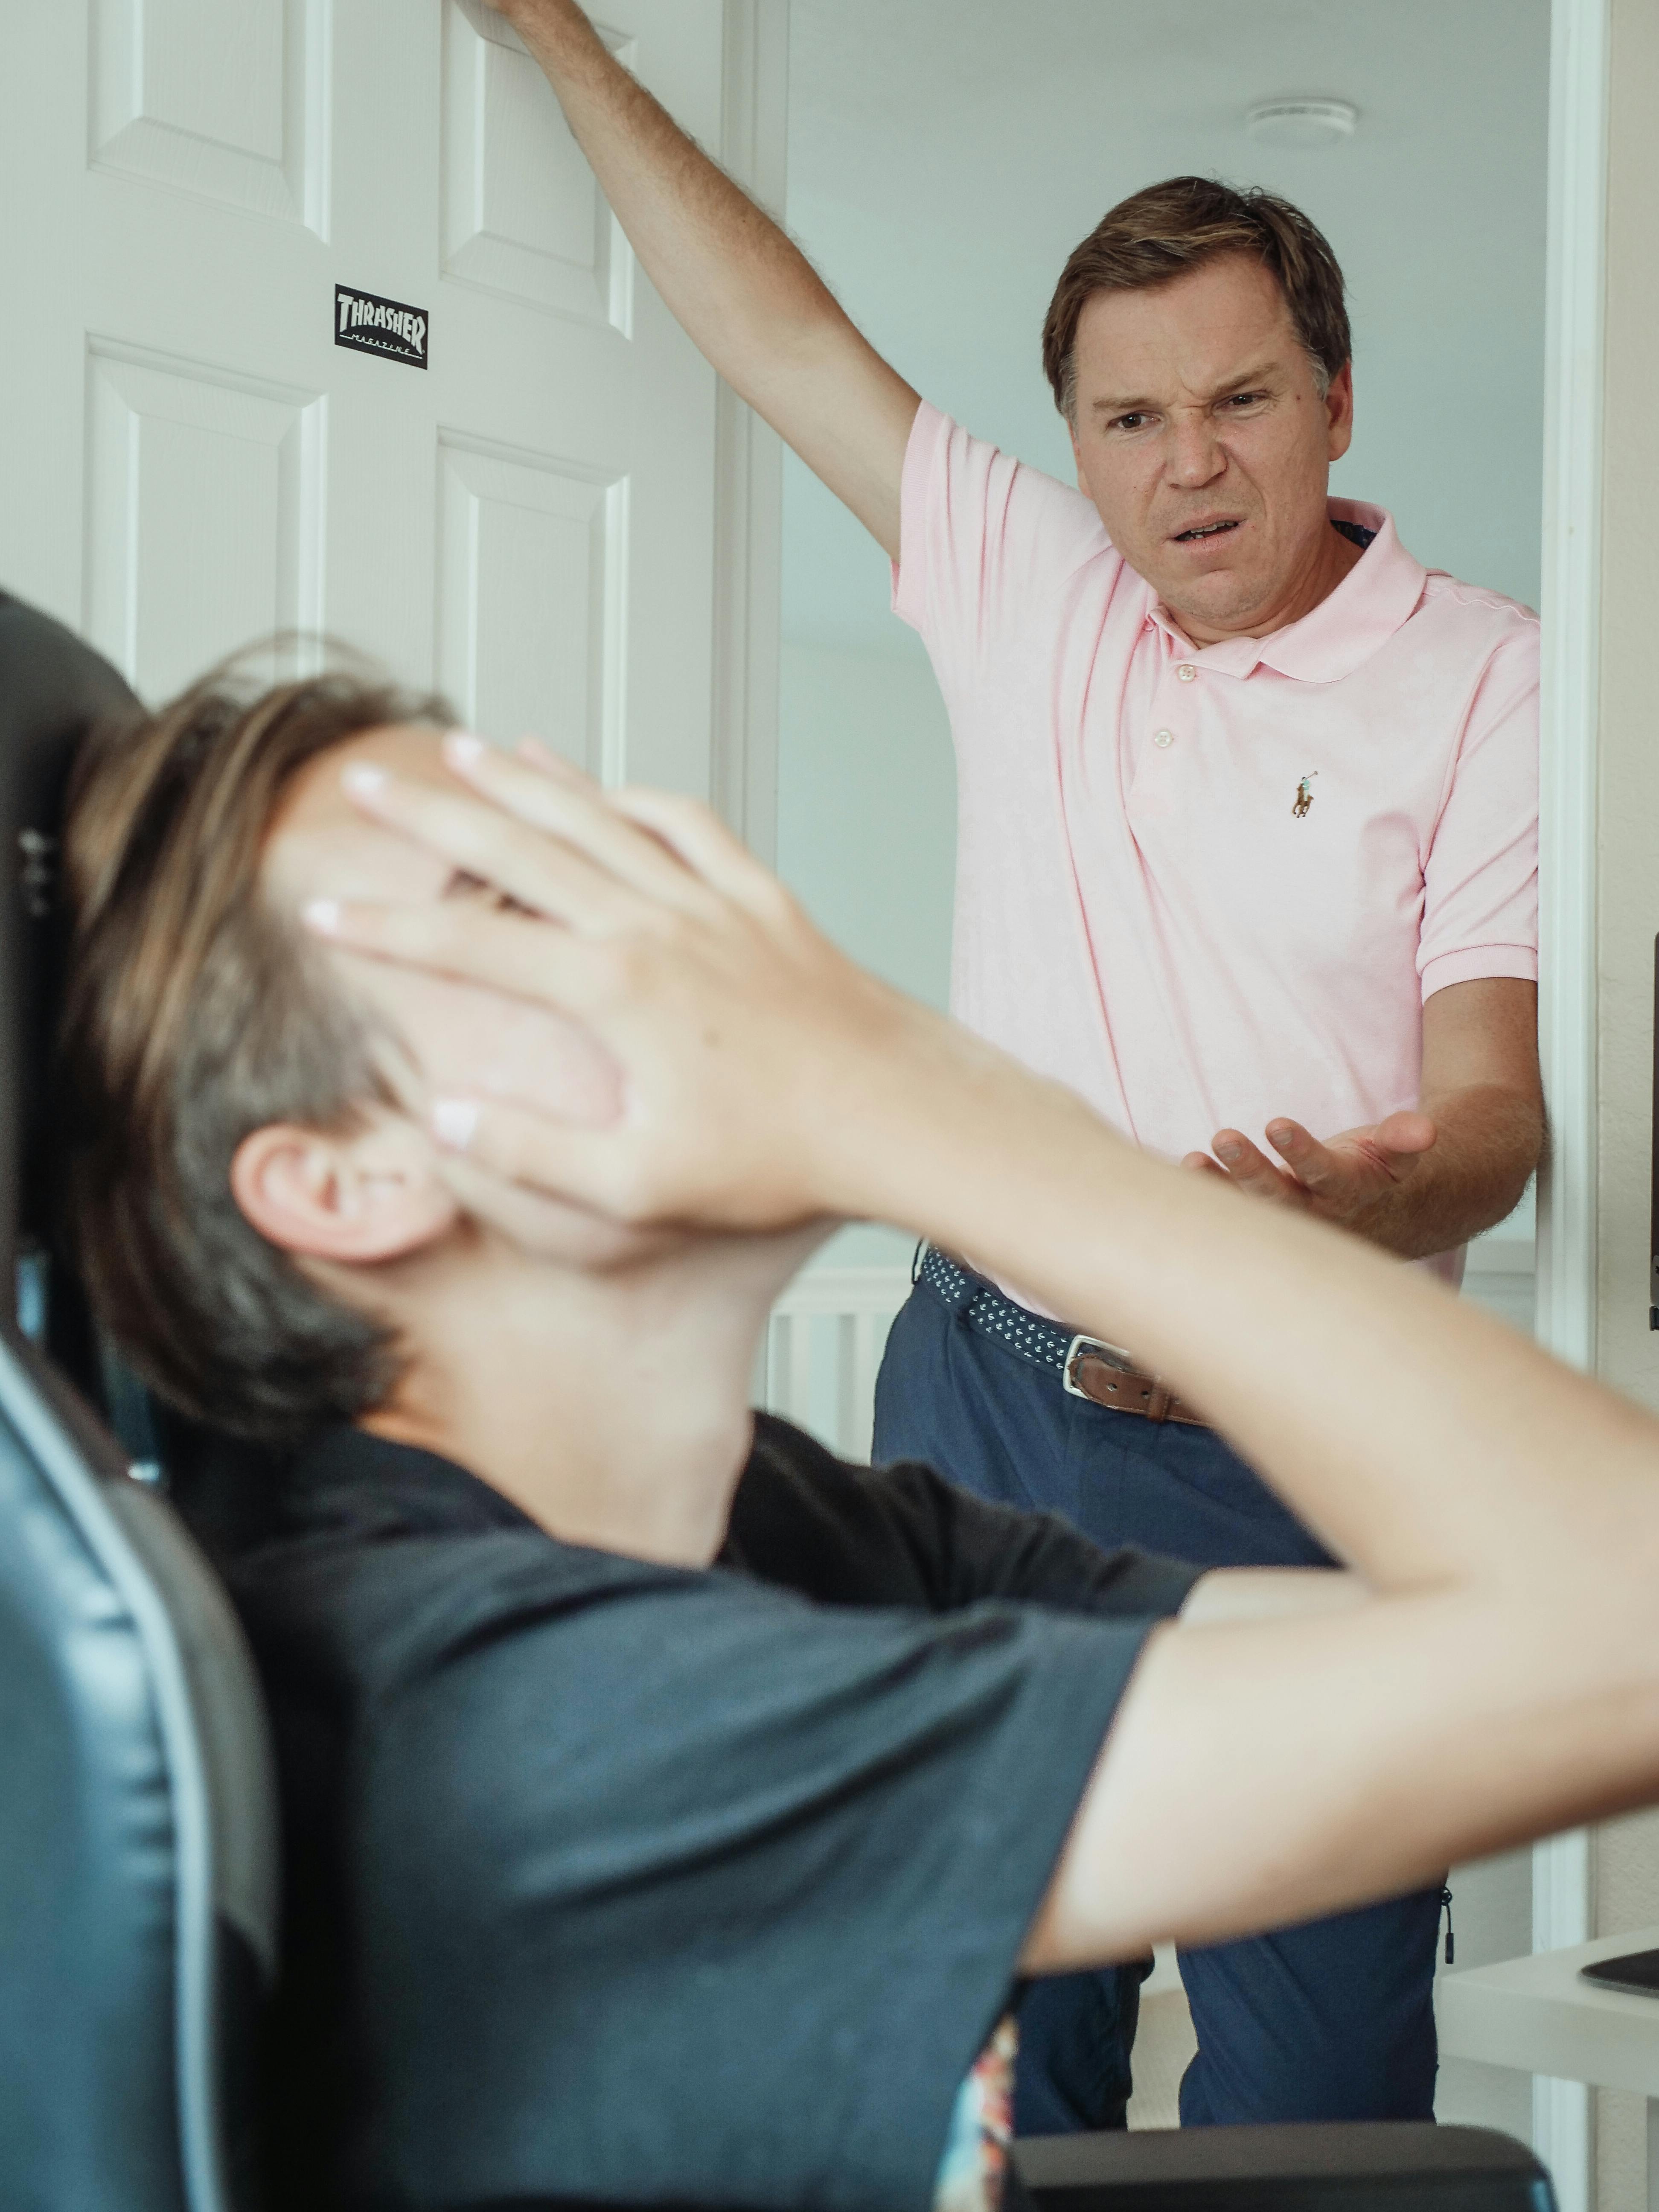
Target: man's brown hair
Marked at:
1180, 224
194, 1016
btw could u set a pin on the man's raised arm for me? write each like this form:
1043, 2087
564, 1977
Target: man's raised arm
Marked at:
746, 295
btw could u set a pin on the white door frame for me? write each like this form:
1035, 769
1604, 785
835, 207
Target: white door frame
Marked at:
1562, 1885
749, 461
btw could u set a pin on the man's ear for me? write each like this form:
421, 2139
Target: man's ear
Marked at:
1339, 411
365, 1193
1076, 460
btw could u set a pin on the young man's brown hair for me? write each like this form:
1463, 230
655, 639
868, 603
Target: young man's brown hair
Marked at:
195, 1016
1180, 224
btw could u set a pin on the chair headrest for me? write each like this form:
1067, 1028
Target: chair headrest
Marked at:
53, 689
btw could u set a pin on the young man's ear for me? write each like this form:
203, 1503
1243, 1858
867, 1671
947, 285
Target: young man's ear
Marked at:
371, 1193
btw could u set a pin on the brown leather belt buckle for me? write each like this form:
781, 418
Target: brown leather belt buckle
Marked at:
1134, 1393
1092, 1347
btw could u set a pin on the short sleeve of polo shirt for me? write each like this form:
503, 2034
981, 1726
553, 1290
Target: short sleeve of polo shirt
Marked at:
985, 544
715, 1894
1480, 873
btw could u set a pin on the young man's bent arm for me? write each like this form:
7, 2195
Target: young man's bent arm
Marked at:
1502, 1680
748, 298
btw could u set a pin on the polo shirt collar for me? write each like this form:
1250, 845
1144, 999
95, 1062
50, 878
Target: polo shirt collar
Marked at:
1377, 597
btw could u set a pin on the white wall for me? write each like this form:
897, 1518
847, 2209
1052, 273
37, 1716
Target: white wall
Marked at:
866, 826
866, 804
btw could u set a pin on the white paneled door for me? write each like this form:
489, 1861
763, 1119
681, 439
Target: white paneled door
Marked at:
506, 484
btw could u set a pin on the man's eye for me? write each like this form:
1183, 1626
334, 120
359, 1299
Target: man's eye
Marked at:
1127, 422
1244, 399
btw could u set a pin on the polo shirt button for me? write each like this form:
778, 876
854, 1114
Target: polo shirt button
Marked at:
1164, 737
1186, 671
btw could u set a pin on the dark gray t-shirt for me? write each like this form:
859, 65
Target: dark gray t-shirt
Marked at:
612, 1881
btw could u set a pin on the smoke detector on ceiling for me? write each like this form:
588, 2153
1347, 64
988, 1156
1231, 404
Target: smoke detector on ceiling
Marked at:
1303, 122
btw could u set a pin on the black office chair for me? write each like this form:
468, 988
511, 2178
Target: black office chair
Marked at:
137, 1862
137, 1850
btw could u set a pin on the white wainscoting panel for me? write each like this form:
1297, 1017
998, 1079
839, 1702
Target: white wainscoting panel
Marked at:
827, 1334
532, 626
204, 496
224, 98
522, 214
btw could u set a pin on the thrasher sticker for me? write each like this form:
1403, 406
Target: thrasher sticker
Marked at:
384, 326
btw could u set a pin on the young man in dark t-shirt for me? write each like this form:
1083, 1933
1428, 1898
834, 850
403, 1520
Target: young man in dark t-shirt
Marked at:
659, 1884
670, 1811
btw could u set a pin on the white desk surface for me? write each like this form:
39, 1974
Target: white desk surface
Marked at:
1539, 2015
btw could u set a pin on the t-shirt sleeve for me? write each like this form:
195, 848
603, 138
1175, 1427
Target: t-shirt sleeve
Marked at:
734, 1886
972, 1549
902, 1535
985, 546
1480, 878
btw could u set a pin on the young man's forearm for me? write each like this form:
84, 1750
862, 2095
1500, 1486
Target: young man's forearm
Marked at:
743, 291
1421, 1438
1497, 1677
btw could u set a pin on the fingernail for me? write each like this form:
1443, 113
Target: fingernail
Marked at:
1228, 1152
322, 915
463, 749
362, 779
453, 1121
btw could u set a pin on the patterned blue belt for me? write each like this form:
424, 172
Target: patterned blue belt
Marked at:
1087, 1366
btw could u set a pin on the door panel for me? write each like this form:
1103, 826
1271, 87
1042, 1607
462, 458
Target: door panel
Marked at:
204, 502
532, 600
221, 97
522, 213
529, 520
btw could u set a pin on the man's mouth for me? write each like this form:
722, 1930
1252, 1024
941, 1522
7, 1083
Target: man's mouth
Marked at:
1203, 530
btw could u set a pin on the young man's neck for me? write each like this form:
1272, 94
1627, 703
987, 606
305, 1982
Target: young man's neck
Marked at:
611, 1408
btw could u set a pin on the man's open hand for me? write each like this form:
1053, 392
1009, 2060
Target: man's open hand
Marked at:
1350, 1180
755, 1058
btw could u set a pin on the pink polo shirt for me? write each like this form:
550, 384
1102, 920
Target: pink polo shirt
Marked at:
1144, 909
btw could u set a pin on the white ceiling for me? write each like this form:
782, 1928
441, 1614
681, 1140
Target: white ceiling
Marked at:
946, 154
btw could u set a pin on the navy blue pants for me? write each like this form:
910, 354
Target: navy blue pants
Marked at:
1331, 2020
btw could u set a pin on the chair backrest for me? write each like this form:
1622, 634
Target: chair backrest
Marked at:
137, 1828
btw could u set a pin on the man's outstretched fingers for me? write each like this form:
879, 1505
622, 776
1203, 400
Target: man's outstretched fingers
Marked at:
1312, 1162
591, 1168
573, 809
485, 840
704, 842
1249, 1168
513, 953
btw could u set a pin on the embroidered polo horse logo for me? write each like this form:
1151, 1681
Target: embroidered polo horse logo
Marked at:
1303, 797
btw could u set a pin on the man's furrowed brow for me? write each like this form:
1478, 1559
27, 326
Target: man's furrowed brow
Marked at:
1261, 372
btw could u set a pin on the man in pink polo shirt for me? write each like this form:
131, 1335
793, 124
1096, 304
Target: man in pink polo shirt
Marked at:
1247, 857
